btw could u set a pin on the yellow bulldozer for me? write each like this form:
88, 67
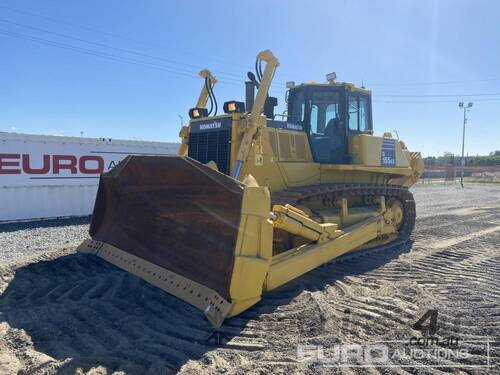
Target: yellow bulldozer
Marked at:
254, 199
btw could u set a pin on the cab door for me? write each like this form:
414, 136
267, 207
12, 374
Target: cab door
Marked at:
325, 125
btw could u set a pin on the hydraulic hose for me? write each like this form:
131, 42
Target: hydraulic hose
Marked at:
207, 86
215, 100
237, 169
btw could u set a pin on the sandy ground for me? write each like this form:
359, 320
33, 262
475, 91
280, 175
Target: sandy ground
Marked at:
66, 313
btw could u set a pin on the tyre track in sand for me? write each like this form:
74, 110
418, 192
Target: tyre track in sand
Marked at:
78, 312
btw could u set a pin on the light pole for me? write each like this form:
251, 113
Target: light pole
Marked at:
466, 108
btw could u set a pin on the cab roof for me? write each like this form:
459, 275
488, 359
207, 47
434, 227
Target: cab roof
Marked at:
347, 85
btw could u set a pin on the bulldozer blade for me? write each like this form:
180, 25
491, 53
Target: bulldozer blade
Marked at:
175, 223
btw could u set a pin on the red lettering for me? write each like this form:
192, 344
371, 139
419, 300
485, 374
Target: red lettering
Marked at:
58, 164
98, 169
27, 168
9, 164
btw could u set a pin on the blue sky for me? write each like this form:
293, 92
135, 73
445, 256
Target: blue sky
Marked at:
127, 69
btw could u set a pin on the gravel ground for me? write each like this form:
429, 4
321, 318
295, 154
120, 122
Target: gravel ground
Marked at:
25, 240
67, 313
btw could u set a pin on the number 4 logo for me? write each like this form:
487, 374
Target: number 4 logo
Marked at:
432, 327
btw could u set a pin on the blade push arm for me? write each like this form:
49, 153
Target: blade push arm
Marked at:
256, 121
209, 79
267, 78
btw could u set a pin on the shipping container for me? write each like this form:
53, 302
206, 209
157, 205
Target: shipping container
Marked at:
44, 177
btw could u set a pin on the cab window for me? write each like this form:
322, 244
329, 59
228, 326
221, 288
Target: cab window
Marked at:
332, 112
298, 108
358, 114
314, 120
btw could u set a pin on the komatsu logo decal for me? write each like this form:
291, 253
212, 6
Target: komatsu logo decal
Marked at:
211, 125
285, 125
388, 156
294, 126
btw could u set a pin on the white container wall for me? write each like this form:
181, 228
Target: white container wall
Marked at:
45, 177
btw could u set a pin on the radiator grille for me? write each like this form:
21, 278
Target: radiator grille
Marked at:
211, 146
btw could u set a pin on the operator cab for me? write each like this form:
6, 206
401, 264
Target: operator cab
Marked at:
330, 113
